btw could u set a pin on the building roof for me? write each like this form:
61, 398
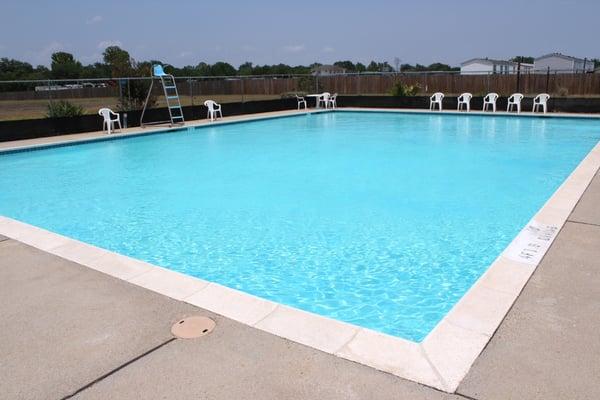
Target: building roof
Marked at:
560, 55
486, 60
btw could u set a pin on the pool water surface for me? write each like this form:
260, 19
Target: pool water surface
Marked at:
383, 220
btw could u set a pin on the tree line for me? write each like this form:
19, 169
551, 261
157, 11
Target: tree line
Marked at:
117, 63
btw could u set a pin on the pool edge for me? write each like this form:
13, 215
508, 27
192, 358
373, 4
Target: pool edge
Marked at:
441, 360
100, 136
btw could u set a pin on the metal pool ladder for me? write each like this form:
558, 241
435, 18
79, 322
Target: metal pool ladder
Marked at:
171, 95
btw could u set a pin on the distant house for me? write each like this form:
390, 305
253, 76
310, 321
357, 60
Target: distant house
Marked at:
558, 62
490, 66
328, 70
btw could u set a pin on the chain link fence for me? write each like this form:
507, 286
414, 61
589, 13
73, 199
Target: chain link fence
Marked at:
31, 99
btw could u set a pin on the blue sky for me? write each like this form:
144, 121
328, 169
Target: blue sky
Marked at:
299, 32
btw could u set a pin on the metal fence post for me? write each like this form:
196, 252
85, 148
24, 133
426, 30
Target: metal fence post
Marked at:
242, 87
128, 94
265, 86
518, 76
191, 87
547, 79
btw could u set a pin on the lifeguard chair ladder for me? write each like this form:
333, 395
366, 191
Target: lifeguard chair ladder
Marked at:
171, 95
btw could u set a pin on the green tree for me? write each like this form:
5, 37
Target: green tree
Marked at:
347, 65
118, 61
441, 67
221, 68
96, 70
373, 67
246, 68
203, 69
13, 69
379, 67
64, 66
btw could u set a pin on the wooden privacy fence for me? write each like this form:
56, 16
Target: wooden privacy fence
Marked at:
355, 84
381, 84
249, 86
555, 84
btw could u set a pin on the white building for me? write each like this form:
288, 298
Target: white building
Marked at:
490, 66
557, 62
328, 70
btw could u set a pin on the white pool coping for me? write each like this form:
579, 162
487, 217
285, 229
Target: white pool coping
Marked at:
441, 360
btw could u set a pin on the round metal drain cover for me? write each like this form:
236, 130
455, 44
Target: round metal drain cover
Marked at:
193, 327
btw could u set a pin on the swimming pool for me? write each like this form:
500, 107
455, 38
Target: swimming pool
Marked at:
383, 220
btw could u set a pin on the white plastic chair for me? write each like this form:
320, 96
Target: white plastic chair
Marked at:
214, 110
541, 100
514, 101
490, 100
436, 98
333, 101
324, 99
301, 101
109, 123
464, 100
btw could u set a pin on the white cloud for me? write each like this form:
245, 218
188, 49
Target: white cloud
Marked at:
43, 56
185, 54
248, 47
96, 19
328, 49
107, 43
294, 48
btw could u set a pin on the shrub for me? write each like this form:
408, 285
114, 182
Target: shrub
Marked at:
133, 97
562, 91
401, 89
63, 108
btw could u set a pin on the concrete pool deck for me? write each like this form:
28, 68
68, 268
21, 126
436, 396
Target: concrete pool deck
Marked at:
442, 361
69, 330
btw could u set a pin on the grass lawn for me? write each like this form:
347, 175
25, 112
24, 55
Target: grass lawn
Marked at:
31, 109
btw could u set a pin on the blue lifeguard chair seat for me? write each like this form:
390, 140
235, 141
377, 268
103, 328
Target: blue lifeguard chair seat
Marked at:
158, 70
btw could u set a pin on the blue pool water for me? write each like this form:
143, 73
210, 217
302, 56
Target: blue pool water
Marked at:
383, 220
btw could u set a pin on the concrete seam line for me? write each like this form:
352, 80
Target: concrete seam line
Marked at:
117, 369
434, 368
574, 222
